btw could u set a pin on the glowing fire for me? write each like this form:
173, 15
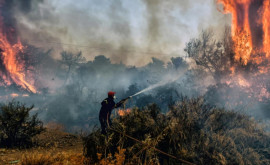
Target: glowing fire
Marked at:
250, 28
14, 95
266, 27
243, 82
13, 69
250, 32
122, 112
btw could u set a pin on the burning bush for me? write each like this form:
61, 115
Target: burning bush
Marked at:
190, 131
16, 126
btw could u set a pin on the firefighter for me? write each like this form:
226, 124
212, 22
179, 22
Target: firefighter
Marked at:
107, 105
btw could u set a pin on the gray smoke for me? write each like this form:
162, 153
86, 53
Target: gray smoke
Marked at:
130, 32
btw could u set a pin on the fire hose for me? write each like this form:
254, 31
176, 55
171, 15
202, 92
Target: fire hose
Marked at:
123, 101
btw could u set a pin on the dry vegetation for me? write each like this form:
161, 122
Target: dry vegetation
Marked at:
52, 147
52, 158
191, 131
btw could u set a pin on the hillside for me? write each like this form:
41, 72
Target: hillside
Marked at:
191, 132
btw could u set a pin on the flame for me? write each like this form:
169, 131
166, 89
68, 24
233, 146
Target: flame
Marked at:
241, 33
238, 80
14, 95
243, 82
122, 112
9, 56
250, 28
250, 32
266, 27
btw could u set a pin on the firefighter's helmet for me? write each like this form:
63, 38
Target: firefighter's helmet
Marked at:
111, 94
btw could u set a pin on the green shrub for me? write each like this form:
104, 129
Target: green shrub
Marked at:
17, 127
191, 131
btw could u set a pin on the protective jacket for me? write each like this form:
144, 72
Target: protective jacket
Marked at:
107, 105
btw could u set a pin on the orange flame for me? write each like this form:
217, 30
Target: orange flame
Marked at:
14, 95
13, 67
266, 27
243, 82
250, 28
241, 33
122, 112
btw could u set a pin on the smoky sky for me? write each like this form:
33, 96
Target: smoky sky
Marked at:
131, 32
8, 20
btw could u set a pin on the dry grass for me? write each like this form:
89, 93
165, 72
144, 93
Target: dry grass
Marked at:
56, 138
55, 126
52, 147
52, 158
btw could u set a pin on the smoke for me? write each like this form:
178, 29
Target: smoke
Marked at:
130, 32
170, 78
8, 21
154, 23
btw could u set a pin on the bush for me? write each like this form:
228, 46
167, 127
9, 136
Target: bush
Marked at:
16, 126
191, 131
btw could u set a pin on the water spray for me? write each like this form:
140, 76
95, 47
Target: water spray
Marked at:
168, 79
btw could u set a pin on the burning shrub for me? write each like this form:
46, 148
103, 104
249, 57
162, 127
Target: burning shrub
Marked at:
190, 131
16, 125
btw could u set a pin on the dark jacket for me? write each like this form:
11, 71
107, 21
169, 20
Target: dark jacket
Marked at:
107, 105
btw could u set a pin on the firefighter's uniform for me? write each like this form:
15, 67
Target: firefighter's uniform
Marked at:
107, 105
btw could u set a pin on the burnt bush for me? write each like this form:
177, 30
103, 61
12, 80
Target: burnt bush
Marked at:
17, 127
191, 130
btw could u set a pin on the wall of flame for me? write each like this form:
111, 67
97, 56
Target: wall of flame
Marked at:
12, 70
250, 28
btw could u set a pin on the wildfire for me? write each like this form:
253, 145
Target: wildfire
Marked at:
14, 95
243, 82
250, 32
266, 27
250, 28
12, 69
122, 112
